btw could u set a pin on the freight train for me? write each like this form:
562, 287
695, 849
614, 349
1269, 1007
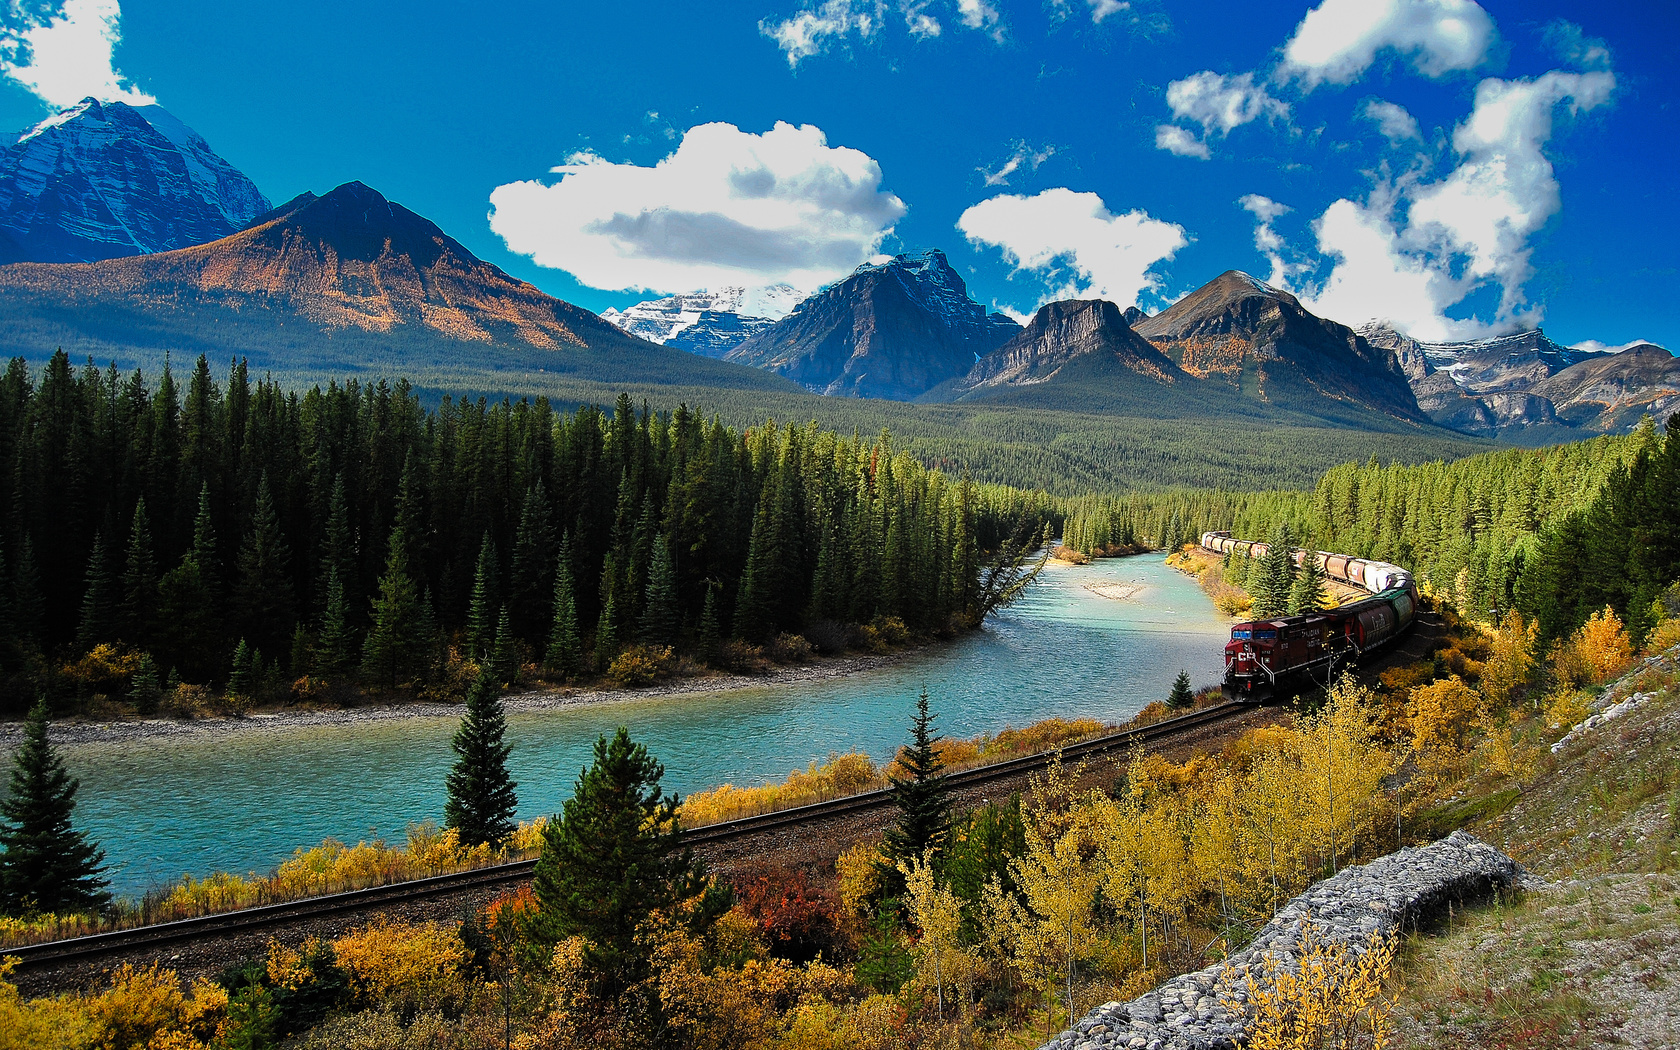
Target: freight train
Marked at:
1264, 653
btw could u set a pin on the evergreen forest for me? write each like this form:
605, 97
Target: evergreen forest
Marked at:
233, 533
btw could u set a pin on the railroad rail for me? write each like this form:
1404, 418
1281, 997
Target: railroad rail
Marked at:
142, 938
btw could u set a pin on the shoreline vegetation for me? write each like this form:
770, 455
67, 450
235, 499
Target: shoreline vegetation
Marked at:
335, 867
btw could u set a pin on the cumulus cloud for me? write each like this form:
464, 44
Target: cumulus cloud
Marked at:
1181, 141
1024, 154
1417, 248
1340, 39
1101, 9
1266, 238
1073, 243
1594, 346
1220, 103
728, 207
1395, 123
65, 57
814, 30
981, 15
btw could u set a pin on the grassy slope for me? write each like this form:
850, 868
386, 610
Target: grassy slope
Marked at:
1079, 441
1589, 959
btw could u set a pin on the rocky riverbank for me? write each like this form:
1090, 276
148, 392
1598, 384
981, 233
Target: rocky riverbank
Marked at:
1402, 889
80, 732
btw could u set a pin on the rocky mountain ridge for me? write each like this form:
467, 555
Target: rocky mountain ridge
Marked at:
105, 180
1092, 333
1525, 384
893, 330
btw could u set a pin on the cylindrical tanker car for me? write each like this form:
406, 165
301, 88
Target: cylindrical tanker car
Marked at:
1262, 653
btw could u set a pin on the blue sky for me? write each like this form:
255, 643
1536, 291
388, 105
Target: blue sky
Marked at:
1457, 169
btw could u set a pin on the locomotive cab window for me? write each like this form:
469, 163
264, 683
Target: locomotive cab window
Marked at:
1265, 634
1241, 636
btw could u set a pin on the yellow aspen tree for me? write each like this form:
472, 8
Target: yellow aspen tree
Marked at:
1441, 715
1510, 661
1342, 768
1059, 879
1272, 812
1330, 997
1217, 842
1145, 855
1603, 643
940, 957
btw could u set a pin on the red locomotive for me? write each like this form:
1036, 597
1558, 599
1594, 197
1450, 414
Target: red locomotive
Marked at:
1261, 653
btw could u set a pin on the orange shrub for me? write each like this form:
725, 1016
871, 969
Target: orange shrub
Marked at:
1604, 644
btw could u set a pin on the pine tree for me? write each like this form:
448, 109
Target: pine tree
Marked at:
481, 623
612, 859
481, 799
564, 657
262, 601
140, 580
533, 559
504, 656
711, 632
144, 690
246, 670
1308, 593
101, 613
396, 638
47, 866
335, 645
753, 602
661, 619
1182, 696
338, 548
923, 798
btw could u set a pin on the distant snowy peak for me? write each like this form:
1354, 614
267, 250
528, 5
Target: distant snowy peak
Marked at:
710, 322
102, 180
1501, 363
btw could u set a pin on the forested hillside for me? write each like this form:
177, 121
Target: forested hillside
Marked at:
237, 531
1556, 532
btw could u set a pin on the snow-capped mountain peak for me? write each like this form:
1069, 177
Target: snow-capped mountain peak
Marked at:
708, 322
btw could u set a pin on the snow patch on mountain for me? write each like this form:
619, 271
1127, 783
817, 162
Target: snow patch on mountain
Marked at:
708, 322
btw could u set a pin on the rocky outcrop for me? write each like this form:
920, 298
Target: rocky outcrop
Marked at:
1087, 334
1612, 392
1402, 889
893, 330
103, 180
1264, 344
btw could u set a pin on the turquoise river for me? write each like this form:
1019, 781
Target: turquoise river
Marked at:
242, 802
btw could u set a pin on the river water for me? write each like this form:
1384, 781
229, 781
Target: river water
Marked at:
241, 803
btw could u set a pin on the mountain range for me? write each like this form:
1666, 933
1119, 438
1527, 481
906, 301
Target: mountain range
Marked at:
141, 241
102, 180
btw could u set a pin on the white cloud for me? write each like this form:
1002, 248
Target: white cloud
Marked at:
1101, 9
1220, 104
812, 31
1175, 139
1266, 239
67, 57
1572, 45
1340, 39
1075, 244
727, 208
1024, 154
1395, 123
1467, 231
1594, 346
981, 15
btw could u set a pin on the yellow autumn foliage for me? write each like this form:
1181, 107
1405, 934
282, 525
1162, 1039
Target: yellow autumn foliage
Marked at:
139, 1007
413, 966
1332, 998
1603, 643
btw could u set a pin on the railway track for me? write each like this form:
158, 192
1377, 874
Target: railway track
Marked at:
90, 948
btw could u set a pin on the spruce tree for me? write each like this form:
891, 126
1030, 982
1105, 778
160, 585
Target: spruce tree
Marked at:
481, 799
335, 645
338, 548
711, 632
481, 611
262, 601
246, 670
144, 690
661, 619
1308, 593
140, 580
504, 654
923, 798
398, 623
533, 559
47, 865
1182, 696
564, 657
612, 859
753, 601
101, 613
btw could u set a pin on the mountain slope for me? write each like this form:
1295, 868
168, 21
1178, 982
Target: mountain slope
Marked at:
893, 330
1077, 339
103, 180
1611, 392
1260, 342
348, 280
